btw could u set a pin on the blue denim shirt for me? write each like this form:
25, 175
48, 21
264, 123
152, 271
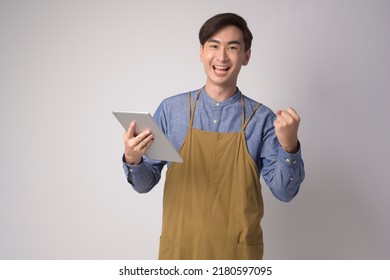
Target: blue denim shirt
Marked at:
282, 172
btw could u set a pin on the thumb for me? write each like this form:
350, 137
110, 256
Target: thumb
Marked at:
131, 130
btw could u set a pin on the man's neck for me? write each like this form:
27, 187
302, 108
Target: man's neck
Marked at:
219, 93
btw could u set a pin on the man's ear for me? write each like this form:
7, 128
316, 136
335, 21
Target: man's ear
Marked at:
247, 57
201, 53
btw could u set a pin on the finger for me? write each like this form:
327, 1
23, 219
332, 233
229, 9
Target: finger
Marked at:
293, 113
143, 135
279, 118
149, 143
287, 116
145, 143
282, 116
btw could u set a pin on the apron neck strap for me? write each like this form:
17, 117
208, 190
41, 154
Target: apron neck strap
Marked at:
190, 109
250, 117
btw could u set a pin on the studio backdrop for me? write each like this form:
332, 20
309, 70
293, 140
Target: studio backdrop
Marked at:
65, 65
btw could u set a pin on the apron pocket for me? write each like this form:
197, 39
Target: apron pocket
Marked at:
169, 249
248, 252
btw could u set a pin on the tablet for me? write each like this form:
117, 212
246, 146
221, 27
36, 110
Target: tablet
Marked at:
161, 148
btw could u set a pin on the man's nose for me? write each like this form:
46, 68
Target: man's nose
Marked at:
222, 55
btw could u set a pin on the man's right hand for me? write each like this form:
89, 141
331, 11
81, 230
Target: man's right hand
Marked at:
136, 145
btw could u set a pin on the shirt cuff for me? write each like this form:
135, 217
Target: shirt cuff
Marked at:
132, 170
289, 160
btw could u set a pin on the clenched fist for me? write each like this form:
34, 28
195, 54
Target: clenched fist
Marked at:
286, 129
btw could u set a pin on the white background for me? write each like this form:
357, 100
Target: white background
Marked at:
65, 65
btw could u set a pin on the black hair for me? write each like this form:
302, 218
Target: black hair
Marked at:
217, 22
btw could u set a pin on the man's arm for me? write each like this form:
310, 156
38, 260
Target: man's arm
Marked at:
282, 164
142, 174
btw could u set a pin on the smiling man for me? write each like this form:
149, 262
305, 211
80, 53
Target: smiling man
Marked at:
212, 205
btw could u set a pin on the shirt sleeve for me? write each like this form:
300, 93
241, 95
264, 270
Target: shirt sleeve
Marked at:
282, 172
145, 176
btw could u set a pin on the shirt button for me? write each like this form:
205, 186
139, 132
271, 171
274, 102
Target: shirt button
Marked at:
291, 178
287, 160
215, 121
294, 162
217, 104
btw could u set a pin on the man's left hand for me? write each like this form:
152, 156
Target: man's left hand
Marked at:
286, 129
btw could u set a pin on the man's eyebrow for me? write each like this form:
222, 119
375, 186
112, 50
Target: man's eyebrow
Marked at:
237, 42
212, 41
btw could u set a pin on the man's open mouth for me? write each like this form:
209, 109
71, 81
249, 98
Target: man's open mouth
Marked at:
219, 68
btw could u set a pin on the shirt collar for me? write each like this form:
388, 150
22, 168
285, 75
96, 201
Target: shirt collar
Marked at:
207, 99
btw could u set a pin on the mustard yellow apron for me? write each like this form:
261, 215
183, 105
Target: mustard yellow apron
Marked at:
212, 204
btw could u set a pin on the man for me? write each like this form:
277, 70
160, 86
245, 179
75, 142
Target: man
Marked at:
212, 205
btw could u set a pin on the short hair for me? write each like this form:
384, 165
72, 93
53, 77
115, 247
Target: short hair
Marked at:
219, 21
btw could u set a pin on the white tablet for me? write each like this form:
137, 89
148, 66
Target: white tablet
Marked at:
161, 148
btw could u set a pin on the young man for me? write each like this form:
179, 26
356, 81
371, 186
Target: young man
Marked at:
212, 205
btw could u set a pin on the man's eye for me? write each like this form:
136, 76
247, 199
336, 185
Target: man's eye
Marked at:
213, 46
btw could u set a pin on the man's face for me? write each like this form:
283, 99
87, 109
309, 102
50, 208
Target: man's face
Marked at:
223, 55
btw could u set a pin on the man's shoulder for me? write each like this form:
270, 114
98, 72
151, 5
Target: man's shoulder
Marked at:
180, 99
263, 109
176, 104
175, 99
181, 96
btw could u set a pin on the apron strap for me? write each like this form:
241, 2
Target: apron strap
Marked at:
243, 112
190, 110
250, 117
189, 107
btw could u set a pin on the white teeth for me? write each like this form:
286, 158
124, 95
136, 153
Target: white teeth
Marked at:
221, 67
